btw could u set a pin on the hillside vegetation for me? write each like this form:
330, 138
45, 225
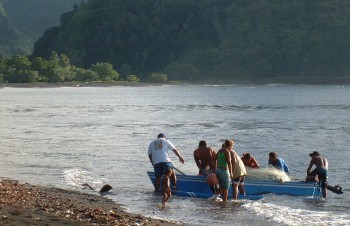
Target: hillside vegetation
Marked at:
22, 22
207, 39
12, 40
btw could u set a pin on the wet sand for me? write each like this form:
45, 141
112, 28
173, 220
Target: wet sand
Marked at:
26, 204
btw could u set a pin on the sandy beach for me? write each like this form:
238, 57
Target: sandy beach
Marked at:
26, 204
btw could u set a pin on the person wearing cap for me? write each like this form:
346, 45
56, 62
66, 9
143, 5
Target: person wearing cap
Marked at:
249, 161
158, 153
277, 162
204, 158
321, 170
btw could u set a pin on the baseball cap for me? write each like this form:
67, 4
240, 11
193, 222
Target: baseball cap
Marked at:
314, 153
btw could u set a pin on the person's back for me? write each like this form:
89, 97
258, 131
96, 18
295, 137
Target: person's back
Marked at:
159, 148
320, 161
221, 157
277, 162
249, 161
283, 165
238, 167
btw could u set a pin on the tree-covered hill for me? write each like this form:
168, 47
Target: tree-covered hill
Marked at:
22, 22
196, 39
12, 40
37, 15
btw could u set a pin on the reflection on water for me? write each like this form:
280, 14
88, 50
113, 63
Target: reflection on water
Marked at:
65, 136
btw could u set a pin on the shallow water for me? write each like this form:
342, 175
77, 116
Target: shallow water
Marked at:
64, 137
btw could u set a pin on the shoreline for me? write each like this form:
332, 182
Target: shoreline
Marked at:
264, 81
27, 204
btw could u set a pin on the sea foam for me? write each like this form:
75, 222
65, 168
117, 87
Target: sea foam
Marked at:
290, 216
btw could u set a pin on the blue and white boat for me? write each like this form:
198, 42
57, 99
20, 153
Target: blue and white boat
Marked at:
196, 186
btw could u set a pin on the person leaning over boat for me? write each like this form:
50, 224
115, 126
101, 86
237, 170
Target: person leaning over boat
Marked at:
224, 169
238, 172
158, 153
321, 170
204, 158
249, 161
277, 162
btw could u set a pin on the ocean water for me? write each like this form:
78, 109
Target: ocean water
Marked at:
65, 137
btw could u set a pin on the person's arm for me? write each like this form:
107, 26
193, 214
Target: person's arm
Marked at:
309, 168
286, 168
228, 161
325, 163
197, 160
279, 164
212, 159
215, 157
150, 158
234, 160
255, 163
177, 153
150, 153
270, 163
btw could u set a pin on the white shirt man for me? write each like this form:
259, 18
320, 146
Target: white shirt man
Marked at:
158, 153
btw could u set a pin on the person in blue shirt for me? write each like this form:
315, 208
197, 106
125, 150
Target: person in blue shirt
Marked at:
277, 162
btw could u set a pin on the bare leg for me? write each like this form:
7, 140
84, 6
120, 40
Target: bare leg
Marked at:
157, 185
173, 179
224, 194
241, 189
324, 192
235, 191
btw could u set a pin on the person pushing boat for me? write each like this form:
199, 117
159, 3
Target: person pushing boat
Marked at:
249, 161
158, 153
321, 170
224, 169
204, 158
277, 162
238, 173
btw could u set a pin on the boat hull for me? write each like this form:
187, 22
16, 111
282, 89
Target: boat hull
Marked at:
196, 186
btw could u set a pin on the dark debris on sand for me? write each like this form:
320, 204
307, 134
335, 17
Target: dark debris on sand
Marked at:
25, 204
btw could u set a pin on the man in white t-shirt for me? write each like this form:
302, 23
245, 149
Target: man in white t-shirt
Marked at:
158, 153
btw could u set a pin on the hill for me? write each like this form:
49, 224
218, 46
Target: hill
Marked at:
12, 40
207, 39
22, 22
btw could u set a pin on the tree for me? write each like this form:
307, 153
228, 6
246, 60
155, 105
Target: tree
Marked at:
39, 64
64, 61
23, 76
133, 78
54, 59
157, 78
19, 63
180, 71
84, 75
105, 71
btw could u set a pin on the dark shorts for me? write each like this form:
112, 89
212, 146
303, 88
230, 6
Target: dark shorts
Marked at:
159, 168
322, 175
238, 180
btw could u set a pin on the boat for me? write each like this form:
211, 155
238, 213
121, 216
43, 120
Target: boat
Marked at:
196, 186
